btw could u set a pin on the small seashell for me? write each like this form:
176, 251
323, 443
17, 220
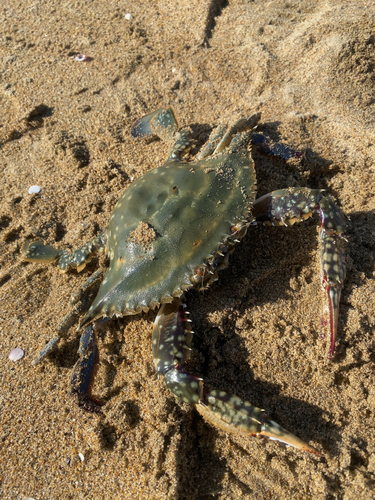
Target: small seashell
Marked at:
81, 456
81, 57
128, 17
16, 354
34, 189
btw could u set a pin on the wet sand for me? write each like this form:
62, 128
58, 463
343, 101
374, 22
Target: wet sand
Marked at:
309, 68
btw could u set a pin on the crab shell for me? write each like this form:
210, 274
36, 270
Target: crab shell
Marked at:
169, 226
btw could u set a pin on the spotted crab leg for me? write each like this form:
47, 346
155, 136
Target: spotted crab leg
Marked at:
171, 342
36, 251
287, 206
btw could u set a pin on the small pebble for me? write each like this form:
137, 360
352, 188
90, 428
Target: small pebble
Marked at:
128, 17
81, 456
34, 189
81, 57
16, 354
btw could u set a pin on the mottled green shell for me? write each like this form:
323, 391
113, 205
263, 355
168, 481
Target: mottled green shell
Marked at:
191, 206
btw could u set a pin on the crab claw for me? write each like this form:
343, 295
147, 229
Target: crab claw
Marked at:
287, 206
231, 414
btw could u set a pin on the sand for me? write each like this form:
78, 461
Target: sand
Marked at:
309, 68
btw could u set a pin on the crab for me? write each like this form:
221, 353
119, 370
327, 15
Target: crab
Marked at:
173, 229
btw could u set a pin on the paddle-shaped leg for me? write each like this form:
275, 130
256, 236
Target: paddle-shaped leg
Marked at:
36, 251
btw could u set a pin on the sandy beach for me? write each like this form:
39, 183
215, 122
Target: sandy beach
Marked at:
309, 68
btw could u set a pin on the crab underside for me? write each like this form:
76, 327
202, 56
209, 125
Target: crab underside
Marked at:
174, 229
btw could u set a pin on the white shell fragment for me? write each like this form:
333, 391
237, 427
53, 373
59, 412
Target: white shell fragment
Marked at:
128, 17
34, 189
81, 456
81, 57
16, 354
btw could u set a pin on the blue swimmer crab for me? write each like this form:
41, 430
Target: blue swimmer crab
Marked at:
173, 229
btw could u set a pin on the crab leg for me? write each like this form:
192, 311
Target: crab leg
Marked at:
84, 371
163, 123
171, 341
68, 321
222, 136
262, 144
36, 251
82, 305
287, 206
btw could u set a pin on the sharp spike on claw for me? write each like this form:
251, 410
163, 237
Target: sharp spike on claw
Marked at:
274, 431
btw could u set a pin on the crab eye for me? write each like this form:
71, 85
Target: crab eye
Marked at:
174, 189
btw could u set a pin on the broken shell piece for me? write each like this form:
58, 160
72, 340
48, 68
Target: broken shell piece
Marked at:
34, 189
16, 354
81, 57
